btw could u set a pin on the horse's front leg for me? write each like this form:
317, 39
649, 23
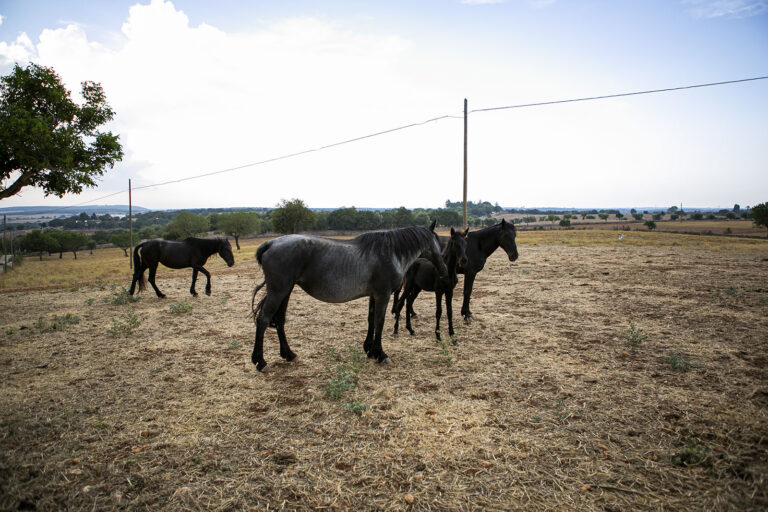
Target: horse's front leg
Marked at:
380, 313
438, 313
368, 343
469, 281
449, 311
207, 280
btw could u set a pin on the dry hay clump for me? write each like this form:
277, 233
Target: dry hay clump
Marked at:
598, 376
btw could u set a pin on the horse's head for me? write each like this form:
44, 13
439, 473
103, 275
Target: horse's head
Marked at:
225, 251
506, 238
433, 252
457, 245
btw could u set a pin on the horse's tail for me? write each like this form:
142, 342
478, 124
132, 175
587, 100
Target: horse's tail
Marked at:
255, 310
262, 249
138, 270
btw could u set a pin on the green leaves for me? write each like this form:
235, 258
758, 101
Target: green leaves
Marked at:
49, 140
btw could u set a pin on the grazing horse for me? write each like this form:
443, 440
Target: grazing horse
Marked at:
422, 275
190, 252
371, 265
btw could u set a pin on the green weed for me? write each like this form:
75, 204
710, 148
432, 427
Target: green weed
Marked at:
678, 362
355, 407
634, 336
180, 308
693, 454
121, 297
125, 325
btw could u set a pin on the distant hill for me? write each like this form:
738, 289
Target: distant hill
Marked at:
58, 211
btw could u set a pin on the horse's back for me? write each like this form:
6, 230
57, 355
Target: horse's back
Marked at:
328, 270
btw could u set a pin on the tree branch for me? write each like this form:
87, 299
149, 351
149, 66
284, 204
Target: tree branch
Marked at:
22, 181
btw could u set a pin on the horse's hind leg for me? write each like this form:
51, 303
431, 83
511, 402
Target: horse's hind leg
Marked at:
194, 280
151, 279
272, 303
279, 321
138, 275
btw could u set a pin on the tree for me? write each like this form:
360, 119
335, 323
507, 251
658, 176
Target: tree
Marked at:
565, 223
603, 216
651, 225
292, 216
185, 225
122, 239
37, 241
759, 214
46, 139
69, 241
237, 224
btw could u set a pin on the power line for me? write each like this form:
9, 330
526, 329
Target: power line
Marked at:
591, 98
412, 125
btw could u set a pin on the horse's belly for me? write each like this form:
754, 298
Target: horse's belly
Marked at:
334, 291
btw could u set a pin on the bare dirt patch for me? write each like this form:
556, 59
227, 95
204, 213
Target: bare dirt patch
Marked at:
542, 405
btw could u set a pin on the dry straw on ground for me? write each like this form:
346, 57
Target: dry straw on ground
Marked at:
543, 405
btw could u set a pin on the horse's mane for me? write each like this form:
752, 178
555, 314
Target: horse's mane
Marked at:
400, 243
495, 227
207, 244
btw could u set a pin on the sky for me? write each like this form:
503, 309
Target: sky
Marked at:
226, 89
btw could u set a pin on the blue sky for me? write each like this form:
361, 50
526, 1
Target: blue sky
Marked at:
200, 87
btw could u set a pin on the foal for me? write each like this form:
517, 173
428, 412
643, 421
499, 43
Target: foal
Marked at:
422, 275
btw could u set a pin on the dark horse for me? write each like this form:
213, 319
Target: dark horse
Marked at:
422, 275
371, 265
191, 252
480, 245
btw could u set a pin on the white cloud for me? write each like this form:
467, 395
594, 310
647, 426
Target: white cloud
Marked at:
21, 50
727, 8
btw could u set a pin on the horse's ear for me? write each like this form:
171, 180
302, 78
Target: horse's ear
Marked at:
432, 226
465, 233
503, 222
453, 231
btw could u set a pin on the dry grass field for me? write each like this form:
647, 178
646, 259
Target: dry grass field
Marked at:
600, 374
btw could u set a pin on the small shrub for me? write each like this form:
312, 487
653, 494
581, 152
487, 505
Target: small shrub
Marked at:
89, 301
692, 454
39, 324
347, 371
121, 297
445, 351
233, 344
125, 325
678, 362
355, 407
731, 292
180, 308
59, 322
634, 336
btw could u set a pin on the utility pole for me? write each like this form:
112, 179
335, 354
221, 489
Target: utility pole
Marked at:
464, 203
130, 227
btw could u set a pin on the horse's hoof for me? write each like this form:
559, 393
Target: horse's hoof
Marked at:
468, 319
387, 361
290, 357
194, 294
261, 366
208, 292
161, 296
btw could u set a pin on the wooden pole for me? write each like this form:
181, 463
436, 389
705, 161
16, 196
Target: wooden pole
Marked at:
130, 226
5, 255
464, 203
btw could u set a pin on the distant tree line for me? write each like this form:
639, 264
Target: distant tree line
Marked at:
292, 216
